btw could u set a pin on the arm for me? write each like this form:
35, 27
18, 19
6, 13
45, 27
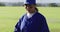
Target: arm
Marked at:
17, 27
44, 27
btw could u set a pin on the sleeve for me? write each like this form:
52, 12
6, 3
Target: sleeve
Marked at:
44, 27
17, 27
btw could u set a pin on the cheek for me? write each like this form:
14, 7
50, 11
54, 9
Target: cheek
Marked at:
27, 8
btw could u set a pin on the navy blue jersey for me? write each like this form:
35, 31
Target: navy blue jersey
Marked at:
37, 23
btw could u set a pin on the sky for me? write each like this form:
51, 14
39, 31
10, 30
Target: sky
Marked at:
9, 0
38, 1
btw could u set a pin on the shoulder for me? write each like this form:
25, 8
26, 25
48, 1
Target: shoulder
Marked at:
21, 18
40, 16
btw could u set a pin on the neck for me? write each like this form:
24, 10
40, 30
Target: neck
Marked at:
29, 15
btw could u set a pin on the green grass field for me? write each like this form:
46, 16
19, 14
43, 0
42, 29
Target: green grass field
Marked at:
10, 15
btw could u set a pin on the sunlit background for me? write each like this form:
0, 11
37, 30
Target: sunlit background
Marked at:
12, 10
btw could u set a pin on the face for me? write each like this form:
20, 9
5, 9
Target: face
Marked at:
30, 8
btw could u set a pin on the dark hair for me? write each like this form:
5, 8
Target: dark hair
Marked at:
36, 9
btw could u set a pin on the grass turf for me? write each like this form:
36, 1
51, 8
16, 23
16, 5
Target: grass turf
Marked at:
10, 15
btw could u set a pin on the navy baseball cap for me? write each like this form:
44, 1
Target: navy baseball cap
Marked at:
30, 2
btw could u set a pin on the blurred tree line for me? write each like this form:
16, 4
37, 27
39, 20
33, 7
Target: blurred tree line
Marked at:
38, 4
49, 4
2, 4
